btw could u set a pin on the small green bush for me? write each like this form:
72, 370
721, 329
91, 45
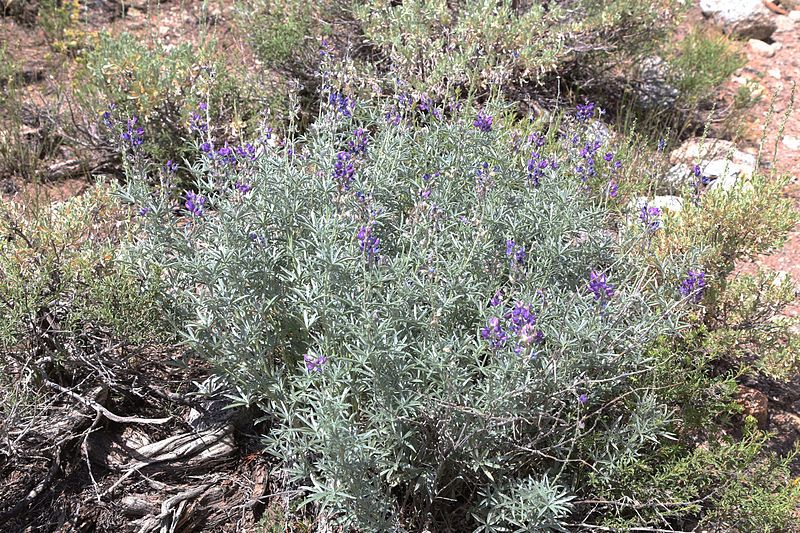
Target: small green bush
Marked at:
702, 62
164, 90
60, 275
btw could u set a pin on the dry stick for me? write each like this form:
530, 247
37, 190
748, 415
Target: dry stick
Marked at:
85, 452
100, 409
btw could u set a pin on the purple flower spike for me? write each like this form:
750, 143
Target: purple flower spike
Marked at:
585, 111
599, 286
650, 217
693, 287
483, 122
314, 364
497, 299
613, 189
195, 203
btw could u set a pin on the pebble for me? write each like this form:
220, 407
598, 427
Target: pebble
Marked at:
761, 48
794, 16
775, 73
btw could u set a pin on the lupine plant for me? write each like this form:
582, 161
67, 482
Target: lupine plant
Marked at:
433, 337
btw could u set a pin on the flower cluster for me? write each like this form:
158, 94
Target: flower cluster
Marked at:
515, 252
243, 187
368, 242
694, 285
342, 104
344, 170
585, 111
484, 179
314, 363
358, 145
600, 287
613, 188
344, 167
650, 217
195, 203
586, 169
537, 164
197, 122
518, 324
133, 134
483, 122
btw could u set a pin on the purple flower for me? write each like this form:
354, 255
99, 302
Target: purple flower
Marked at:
242, 187
497, 299
694, 285
662, 143
143, 211
314, 364
134, 135
528, 335
517, 253
205, 147
584, 112
537, 165
519, 317
583, 398
359, 144
343, 170
483, 180
613, 189
608, 156
599, 286
494, 333
342, 104
368, 242
170, 167
650, 217
195, 203
483, 122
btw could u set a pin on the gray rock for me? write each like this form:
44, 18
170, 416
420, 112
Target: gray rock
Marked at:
719, 160
654, 89
742, 18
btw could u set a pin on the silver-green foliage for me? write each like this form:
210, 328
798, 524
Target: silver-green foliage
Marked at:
414, 419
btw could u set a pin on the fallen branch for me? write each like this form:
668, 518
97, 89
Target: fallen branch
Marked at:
105, 412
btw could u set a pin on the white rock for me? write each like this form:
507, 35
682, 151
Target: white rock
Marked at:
696, 149
744, 18
784, 24
761, 48
792, 143
775, 73
668, 203
725, 183
794, 16
676, 178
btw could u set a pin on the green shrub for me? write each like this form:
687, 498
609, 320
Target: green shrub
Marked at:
60, 275
702, 62
164, 89
723, 485
359, 310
